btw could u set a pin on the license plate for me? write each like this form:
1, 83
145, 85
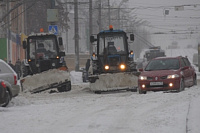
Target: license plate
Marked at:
156, 83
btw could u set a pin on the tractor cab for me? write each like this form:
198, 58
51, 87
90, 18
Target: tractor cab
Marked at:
43, 52
113, 53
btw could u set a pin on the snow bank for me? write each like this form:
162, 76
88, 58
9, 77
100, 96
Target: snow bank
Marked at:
114, 81
45, 79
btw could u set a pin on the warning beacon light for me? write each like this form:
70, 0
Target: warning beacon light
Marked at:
110, 27
41, 30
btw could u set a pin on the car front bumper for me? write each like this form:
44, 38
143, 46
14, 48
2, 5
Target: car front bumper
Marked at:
164, 85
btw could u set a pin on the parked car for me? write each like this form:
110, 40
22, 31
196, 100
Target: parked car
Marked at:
10, 78
167, 73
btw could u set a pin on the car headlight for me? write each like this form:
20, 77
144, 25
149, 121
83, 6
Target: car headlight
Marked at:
172, 76
142, 77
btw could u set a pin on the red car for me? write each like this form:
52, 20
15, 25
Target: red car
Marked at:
167, 73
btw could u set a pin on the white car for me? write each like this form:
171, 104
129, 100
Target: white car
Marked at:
10, 77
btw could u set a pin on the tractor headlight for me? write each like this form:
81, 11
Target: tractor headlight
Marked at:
142, 77
122, 66
172, 76
106, 67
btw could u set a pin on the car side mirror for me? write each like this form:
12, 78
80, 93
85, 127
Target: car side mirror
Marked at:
132, 38
184, 68
92, 39
60, 41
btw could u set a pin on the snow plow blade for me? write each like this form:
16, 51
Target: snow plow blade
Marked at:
53, 78
113, 82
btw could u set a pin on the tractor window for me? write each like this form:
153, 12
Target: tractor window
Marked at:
114, 44
42, 48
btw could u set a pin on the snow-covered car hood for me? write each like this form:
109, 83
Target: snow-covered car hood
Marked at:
159, 73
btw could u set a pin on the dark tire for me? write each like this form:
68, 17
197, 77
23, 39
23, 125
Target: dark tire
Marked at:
64, 88
195, 81
141, 91
182, 86
7, 99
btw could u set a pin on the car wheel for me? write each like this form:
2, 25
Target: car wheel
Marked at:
195, 81
141, 91
182, 86
66, 87
7, 99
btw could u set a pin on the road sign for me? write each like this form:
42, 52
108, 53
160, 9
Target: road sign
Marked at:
53, 29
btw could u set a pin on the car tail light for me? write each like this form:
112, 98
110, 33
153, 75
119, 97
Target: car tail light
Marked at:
15, 79
3, 84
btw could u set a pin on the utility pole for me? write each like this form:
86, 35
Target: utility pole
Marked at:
8, 31
76, 38
99, 15
67, 34
108, 12
90, 24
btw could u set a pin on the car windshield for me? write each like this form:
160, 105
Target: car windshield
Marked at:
113, 44
42, 47
163, 64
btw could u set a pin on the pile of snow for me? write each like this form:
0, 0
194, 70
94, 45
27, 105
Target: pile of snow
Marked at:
76, 77
114, 81
44, 79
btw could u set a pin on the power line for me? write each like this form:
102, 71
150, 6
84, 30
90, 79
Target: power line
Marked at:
18, 14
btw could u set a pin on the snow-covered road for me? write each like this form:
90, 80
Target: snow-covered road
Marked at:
81, 111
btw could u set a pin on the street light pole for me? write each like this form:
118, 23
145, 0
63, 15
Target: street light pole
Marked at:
90, 25
99, 15
109, 12
8, 31
76, 38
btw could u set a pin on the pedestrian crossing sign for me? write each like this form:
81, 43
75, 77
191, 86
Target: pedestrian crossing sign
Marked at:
53, 29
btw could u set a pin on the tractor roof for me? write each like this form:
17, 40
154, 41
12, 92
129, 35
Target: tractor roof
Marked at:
111, 31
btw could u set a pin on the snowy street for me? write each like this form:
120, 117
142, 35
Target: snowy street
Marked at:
91, 66
80, 110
